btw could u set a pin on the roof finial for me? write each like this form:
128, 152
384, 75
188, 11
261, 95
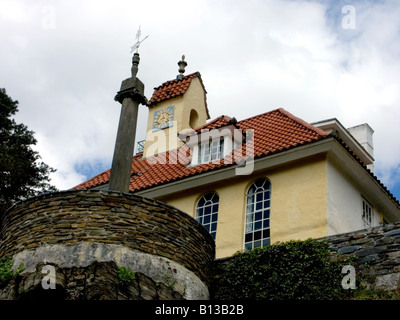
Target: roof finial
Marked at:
138, 41
135, 58
182, 64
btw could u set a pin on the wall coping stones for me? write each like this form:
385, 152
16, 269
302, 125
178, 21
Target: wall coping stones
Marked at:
159, 269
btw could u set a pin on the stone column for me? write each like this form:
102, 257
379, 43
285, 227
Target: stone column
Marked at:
130, 96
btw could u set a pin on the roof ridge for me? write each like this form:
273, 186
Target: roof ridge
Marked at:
191, 75
257, 115
302, 122
213, 121
173, 88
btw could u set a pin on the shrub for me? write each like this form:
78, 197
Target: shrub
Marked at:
290, 270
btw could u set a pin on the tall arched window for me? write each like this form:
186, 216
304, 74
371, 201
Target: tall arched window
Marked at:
207, 212
257, 215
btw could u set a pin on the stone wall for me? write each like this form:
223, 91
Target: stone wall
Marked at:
377, 251
98, 281
73, 229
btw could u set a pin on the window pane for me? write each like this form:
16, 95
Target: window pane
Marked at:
207, 212
248, 237
266, 233
257, 214
266, 242
257, 235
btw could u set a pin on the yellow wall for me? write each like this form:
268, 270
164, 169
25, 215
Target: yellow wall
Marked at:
167, 139
298, 204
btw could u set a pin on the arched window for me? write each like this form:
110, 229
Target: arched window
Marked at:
207, 212
257, 215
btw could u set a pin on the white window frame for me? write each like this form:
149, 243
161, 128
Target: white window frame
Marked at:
210, 151
367, 213
207, 213
257, 218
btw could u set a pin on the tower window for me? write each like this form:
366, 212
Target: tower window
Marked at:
258, 206
193, 119
207, 212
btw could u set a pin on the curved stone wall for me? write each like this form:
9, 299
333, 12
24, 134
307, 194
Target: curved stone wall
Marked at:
75, 228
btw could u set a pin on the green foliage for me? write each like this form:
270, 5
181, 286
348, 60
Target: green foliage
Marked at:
126, 275
6, 272
366, 294
284, 271
22, 174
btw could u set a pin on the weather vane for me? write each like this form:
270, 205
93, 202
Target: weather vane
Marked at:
138, 41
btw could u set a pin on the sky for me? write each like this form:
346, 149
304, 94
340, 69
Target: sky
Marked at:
64, 62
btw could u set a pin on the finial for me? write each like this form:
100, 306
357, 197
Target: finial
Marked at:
138, 41
135, 64
182, 64
135, 58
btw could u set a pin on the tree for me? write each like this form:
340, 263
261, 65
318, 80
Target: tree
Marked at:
22, 174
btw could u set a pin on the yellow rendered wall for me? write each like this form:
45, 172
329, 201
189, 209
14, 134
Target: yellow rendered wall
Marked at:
159, 141
298, 205
167, 139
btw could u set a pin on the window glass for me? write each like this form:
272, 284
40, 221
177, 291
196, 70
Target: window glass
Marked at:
207, 212
257, 227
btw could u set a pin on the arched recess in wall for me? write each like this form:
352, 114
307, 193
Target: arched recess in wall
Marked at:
207, 212
258, 208
193, 119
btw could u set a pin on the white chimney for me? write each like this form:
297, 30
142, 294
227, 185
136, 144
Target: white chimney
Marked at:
363, 134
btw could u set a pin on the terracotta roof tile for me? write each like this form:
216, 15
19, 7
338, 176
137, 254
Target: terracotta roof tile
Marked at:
274, 131
171, 89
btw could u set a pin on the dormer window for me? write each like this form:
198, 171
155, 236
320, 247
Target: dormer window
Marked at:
214, 141
210, 150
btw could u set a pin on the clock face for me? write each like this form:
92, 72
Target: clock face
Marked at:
163, 118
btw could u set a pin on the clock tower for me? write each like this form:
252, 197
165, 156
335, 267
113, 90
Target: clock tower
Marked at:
176, 105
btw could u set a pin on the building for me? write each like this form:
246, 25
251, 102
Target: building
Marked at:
272, 177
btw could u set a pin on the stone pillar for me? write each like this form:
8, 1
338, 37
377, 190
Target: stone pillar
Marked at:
130, 96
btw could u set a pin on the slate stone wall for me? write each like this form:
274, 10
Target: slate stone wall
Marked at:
82, 226
377, 251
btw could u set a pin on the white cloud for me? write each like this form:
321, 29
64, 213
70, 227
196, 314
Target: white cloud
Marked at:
254, 56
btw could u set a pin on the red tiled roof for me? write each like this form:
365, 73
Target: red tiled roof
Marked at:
172, 89
219, 122
274, 131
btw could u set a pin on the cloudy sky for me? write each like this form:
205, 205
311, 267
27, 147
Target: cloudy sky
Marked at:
64, 62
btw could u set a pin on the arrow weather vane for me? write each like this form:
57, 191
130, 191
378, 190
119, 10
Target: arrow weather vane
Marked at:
138, 41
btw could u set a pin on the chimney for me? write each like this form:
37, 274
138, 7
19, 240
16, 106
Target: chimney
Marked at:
130, 96
363, 133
